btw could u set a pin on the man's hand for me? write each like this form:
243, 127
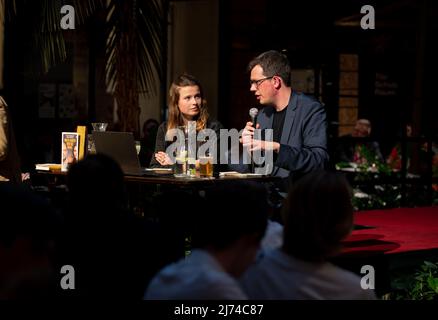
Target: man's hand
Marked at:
252, 144
263, 145
248, 133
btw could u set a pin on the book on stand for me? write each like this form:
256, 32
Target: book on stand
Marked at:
70, 149
48, 167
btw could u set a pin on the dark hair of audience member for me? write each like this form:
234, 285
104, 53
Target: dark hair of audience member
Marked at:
28, 233
318, 215
112, 249
229, 212
97, 181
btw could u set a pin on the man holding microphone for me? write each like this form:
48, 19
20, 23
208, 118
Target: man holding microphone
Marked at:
298, 122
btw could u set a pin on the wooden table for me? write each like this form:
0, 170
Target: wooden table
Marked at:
143, 189
193, 181
164, 179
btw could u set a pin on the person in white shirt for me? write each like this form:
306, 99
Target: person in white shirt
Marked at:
273, 236
318, 215
227, 227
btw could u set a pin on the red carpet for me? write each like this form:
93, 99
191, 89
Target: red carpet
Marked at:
394, 231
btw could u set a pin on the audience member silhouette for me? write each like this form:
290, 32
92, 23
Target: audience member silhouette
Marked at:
28, 232
318, 215
150, 128
226, 227
394, 159
112, 250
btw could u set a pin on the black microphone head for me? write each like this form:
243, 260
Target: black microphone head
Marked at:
253, 112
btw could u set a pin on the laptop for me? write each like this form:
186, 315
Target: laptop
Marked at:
121, 147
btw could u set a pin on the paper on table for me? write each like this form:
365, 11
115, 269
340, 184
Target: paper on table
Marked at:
159, 169
232, 174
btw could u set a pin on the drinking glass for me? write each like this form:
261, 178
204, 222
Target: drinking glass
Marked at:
97, 126
180, 166
206, 166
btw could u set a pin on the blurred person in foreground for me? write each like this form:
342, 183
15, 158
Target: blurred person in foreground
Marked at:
227, 226
313, 233
28, 235
114, 252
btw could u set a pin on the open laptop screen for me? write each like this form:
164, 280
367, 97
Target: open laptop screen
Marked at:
121, 147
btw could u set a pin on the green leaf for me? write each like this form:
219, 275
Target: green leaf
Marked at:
433, 284
430, 265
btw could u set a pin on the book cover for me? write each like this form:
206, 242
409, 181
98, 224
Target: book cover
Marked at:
70, 149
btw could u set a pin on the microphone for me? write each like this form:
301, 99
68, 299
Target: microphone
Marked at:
253, 112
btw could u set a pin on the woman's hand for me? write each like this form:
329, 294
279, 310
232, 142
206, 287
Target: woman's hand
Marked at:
163, 158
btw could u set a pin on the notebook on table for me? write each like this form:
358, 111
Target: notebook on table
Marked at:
121, 147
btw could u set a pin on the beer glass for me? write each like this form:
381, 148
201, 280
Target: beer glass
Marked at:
206, 166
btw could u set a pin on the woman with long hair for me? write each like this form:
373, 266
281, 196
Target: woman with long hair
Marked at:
186, 103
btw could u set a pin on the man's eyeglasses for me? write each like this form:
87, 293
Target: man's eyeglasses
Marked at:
258, 82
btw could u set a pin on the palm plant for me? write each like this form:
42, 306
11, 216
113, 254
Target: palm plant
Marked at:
134, 48
134, 45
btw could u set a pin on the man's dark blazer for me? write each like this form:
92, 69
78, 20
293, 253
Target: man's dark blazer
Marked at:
303, 139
